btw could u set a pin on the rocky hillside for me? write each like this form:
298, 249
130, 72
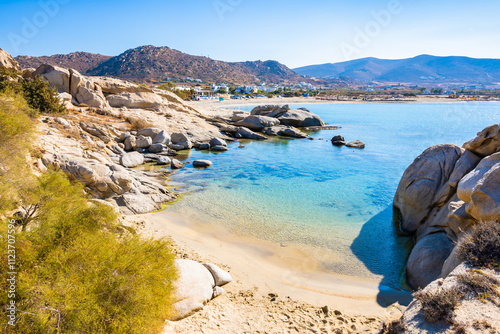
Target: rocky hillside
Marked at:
80, 61
157, 63
153, 64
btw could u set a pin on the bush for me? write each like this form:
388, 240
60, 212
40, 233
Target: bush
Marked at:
438, 306
481, 247
37, 93
41, 97
78, 270
80, 273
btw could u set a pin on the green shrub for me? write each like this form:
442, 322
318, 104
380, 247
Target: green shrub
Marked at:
79, 274
37, 92
78, 270
481, 247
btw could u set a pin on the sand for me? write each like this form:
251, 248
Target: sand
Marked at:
276, 289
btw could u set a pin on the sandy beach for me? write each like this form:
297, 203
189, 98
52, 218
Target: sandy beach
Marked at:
261, 269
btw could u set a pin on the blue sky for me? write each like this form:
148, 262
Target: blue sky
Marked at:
296, 33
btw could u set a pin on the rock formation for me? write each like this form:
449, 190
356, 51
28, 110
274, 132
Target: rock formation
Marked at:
445, 191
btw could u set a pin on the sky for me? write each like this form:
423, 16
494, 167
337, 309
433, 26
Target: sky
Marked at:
295, 33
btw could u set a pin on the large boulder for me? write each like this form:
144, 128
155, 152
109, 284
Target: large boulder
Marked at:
193, 289
422, 186
7, 62
487, 141
132, 159
141, 100
257, 123
58, 77
300, 118
427, 258
149, 132
143, 141
130, 143
102, 180
180, 141
248, 134
84, 90
162, 138
217, 142
285, 131
270, 110
116, 86
480, 189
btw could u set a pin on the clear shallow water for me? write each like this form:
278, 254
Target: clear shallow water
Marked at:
336, 202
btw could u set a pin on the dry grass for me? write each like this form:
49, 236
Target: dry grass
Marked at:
439, 306
137, 124
483, 286
481, 247
393, 327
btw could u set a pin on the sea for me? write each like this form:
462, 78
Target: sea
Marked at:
334, 202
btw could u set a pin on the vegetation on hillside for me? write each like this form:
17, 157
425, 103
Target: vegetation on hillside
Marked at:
75, 268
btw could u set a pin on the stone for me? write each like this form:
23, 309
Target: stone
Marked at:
238, 116
422, 181
217, 142
150, 132
156, 148
132, 159
103, 180
67, 100
427, 258
487, 141
176, 164
162, 138
229, 129
130, 143
7, 62
480, 189
257, 123
219, 148
193, 289
356, 144
85, 91
217, 292
115, 86
338, 140
139, 204
140, 100
164, 161
124, 135
221, 277
202, 163
58, 77
204, 146
284, 131
300, 118
181, 140
143, 141
270, 110
62, 121
248, 134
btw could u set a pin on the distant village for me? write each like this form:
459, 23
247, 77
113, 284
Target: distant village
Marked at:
197, 89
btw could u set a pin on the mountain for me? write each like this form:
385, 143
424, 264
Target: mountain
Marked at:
420, 69
152, 63
80, 61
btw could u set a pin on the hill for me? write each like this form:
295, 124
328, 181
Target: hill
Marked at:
420, 69
152, 63
80, 61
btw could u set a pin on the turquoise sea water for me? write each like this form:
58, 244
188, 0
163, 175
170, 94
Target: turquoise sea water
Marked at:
336, 202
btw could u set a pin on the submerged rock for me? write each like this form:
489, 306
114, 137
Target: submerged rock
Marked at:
202, 163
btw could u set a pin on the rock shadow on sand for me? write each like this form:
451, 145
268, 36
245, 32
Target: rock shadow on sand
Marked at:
384, 251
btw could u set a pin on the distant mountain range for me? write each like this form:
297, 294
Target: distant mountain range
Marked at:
420, 69
150, 63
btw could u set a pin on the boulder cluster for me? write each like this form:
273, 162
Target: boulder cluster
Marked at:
442, 194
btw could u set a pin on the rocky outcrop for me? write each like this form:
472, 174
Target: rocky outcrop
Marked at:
117, 86
257, 123
7, 62
445, 191
140, 100
196, 286
471, 311
300, 118
82, 88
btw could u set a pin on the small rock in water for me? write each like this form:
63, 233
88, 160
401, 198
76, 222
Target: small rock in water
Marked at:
219, 148
356, 144
176, 164
241, 146
202, 163
338, 141
204, 146
163, 161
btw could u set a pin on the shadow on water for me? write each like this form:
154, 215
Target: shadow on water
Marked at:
384, 251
